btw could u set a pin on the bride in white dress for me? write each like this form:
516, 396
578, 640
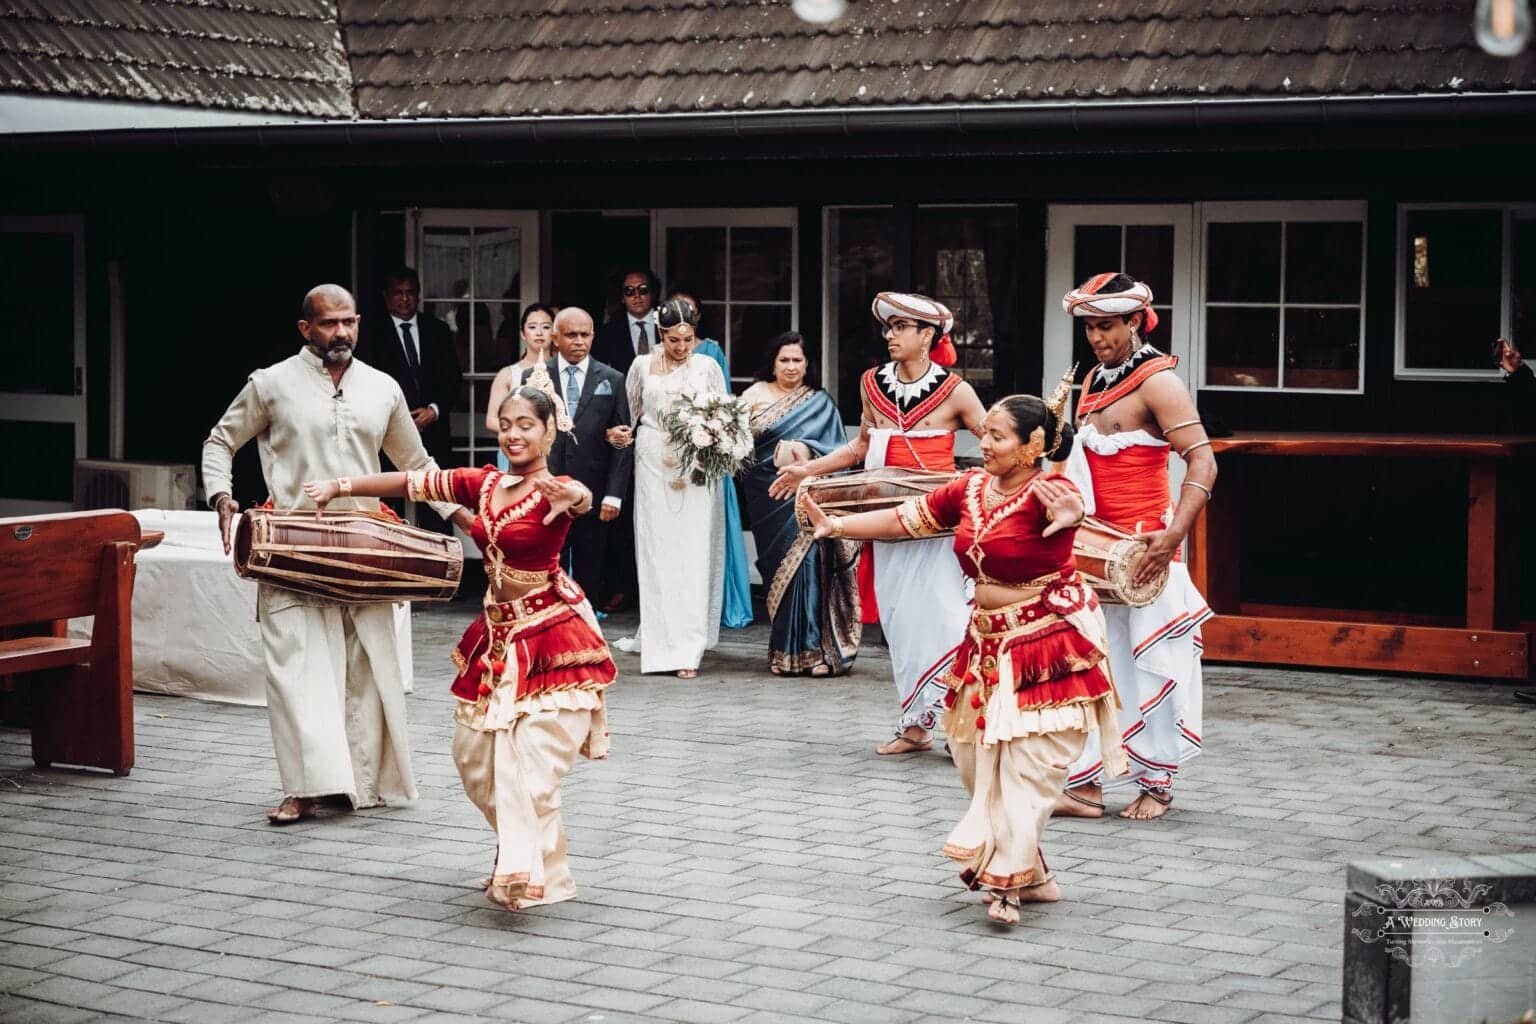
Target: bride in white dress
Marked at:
679, 526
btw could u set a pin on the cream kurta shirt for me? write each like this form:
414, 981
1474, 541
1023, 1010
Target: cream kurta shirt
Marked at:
307, 428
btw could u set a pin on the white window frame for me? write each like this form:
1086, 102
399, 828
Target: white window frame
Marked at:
527, 221
1061, 219
728, 218
1400, 368
1294, 212
50, 408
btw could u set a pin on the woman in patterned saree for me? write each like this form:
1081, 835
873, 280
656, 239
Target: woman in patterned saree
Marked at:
812, 594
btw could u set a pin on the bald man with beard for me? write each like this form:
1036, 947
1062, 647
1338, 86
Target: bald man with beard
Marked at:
335, 697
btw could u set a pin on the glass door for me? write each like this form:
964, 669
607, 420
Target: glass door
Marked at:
42, 362
742, 266
478, 269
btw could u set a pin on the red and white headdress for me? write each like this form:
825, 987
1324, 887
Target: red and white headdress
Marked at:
890, 306
1090, 299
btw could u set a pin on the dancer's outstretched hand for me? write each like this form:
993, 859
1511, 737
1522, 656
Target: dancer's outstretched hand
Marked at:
788, 480
566, 497
821, 523
1063, 503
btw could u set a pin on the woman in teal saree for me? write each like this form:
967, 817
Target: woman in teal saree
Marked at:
811, 591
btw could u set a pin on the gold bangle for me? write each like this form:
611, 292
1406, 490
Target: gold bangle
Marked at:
837, 528
344, 486
1196, 483
1198, 444
1180, 426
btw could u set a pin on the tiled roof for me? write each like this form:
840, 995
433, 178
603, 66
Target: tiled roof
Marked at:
384, 59
277, 56
472, 58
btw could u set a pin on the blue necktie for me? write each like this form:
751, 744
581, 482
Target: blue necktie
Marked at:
572, 392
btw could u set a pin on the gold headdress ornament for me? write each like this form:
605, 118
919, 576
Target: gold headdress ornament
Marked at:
1057, 403
539, 379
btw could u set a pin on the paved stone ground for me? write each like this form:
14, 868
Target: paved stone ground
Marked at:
743, 857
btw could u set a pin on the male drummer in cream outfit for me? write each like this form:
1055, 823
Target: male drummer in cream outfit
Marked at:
335, 699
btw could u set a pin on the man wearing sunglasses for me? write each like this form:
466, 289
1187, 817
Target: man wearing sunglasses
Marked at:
634, 332
625, 336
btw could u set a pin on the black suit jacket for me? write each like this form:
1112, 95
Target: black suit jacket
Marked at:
588, 456
439, 379
615, 343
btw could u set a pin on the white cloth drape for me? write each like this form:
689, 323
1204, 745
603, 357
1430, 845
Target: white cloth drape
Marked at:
679, 532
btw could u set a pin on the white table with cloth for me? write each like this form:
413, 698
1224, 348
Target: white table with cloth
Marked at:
194, 620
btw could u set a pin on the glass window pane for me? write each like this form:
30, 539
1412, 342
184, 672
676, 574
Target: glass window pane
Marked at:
1322, 348
1243, 262
1241, 347
1452, 287
965, 258
1322, 261
752, 329
696, 262
496, 338
860, 262
498, 263
40, 462
1149, 257
712, 321
761, 259
444, 266
1095, 250
37, 314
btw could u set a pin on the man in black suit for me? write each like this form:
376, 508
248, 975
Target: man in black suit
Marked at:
633, 333
618, 343
417, 350
596, 402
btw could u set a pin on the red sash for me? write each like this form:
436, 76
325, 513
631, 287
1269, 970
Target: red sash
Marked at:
1130, 488
1089, 401
882, 403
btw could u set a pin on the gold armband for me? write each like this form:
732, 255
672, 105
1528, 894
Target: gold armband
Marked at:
1196, 483
917, 519
1180, 426
1198, 444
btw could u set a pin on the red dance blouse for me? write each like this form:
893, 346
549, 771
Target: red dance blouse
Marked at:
517, 531
1002, 545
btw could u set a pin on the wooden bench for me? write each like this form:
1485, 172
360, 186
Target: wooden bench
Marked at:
53, 568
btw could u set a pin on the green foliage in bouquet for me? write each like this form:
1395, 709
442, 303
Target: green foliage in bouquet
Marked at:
710, 436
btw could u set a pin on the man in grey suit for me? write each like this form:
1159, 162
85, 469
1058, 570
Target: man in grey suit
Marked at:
596, 402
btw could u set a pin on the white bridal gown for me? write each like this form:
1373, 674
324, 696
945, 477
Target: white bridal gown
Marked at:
679, 532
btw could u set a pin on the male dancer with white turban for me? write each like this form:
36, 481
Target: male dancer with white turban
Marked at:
1132, 410
912, 407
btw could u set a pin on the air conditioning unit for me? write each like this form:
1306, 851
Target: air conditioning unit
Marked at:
104, 483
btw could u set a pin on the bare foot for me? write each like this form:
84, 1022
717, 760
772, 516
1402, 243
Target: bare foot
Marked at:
1046, 892
906, 743
1147, 806
292, 809
505, 896
1004, 909
821, 671
1082, 802
687, 673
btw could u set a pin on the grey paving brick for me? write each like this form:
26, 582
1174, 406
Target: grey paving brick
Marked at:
737, 864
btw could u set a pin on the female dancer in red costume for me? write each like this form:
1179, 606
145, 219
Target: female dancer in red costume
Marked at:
533, 667
1027, 685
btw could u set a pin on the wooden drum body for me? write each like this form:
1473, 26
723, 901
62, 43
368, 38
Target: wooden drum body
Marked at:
1107, 557
347, 557
870, 491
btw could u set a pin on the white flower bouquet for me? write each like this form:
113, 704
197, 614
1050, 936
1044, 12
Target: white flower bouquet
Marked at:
711, 434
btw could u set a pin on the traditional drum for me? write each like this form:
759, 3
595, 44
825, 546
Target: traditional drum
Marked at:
872, 490
349, 557
1107, 557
